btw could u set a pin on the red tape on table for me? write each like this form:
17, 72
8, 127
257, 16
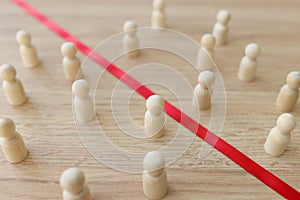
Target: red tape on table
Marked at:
235, 155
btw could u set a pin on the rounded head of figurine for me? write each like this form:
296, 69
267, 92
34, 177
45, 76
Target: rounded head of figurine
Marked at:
159, 4
208, 41
130, 26
293, 80
7, 128
155, 104
81, 88
206, 79
286, 123
23, 37
154, 161
223, 17
68, 49
252, 50
72, 180
8, 72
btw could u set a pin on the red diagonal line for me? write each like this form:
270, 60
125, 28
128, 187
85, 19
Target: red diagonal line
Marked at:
218, 143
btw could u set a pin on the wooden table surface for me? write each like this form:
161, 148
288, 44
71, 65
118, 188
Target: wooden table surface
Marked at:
47, 124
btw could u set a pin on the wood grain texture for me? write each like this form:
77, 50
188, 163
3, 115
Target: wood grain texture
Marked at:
46, 120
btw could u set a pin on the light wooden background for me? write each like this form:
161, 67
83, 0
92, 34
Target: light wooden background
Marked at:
46, 120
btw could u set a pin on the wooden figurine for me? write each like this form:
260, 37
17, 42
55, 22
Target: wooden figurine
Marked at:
158, 16
154, 121
220, 29
71, 64
202, 95
155, 183
28, 53
130, 40
72, 181
206, 54
82, 102
280, 135
12, 143
12, 86
289, 93
248, 65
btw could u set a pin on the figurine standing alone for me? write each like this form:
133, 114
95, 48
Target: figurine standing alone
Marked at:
12, 143
248, 65
289, 93
158, 16
221, 29
280, 135
71, 63
155, 183
82, 102
130, 40
12, 86
28, 53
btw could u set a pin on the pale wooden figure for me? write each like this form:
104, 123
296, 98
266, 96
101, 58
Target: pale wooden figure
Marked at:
72, 181
155, 183
158, 16
130, 40
28, 53
248, 65
206, 54
82, 102
203, 90
71, 64
154, 121
12, 86
280, 135
289, 93
221, 29
12, 143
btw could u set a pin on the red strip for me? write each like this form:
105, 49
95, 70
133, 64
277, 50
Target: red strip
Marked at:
235, 155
